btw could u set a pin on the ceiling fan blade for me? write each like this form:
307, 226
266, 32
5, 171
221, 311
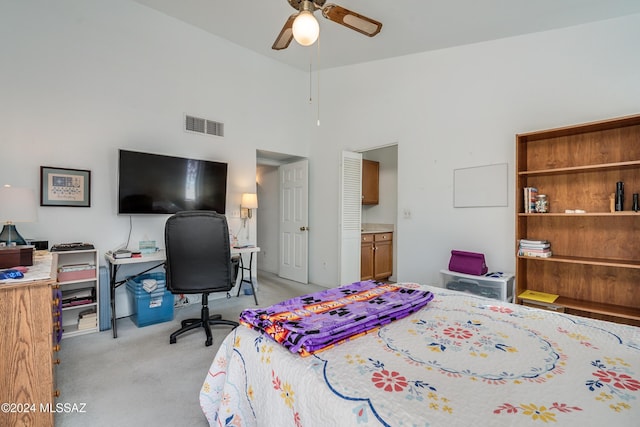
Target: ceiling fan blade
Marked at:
286, 34
355, 21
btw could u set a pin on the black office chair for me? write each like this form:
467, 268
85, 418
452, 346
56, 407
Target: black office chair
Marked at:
199, 262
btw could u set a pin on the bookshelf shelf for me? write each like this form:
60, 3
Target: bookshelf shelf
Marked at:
587, 261
79, 268
573, 215
72, 330
75, 307
73, 282
582, 169
595, 266
601, 308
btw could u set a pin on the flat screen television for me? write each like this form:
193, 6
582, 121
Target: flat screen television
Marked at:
157, 184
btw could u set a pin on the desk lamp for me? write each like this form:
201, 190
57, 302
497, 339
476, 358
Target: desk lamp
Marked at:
16, 205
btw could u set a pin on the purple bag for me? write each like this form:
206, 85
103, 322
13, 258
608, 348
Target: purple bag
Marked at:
468, 263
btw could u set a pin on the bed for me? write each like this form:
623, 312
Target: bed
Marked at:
461, 360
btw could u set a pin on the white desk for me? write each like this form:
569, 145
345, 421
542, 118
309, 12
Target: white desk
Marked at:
158, 259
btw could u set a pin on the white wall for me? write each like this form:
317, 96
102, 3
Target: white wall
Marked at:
81, 79
456, 108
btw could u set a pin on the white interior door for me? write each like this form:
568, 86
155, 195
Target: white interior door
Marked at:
350, 216
294, 220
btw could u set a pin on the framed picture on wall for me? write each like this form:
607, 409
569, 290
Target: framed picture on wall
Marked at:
65, 187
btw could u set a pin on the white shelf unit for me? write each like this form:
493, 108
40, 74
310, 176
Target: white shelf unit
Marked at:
89, 284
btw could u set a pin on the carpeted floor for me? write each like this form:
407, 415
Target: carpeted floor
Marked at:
139, 379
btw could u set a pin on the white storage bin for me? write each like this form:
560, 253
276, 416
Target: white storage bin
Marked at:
501, 288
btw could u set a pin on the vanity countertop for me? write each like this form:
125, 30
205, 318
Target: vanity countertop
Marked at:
377, 228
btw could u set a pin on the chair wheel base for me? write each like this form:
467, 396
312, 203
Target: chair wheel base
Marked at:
205, 321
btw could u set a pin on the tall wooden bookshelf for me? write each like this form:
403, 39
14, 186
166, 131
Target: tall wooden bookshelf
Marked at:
595, 266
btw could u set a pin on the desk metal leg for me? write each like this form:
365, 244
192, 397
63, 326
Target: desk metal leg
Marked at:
241, 272
243, 280
253, 289
112, 284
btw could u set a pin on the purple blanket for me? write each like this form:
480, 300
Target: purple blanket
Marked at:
315, 322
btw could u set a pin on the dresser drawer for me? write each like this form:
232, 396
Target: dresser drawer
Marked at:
383, 237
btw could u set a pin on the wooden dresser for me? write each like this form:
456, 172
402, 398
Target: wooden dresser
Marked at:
27, 347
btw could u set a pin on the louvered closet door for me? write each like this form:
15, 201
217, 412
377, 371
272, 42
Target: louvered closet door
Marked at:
350, 216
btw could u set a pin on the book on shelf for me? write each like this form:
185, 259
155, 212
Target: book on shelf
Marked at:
89, 312
543, 305
530, 194
535, 254
88, 323
538, 296
76, 267
91, 316
122, 253
534, 242
76, 297
534, 248
78, 293
87, 319
76, 302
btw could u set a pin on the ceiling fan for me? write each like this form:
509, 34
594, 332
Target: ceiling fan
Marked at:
304, 27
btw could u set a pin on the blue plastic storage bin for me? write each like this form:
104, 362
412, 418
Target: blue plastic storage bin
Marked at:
150, 308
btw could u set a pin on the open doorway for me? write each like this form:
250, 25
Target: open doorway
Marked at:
282, 232
380, 216
384, 214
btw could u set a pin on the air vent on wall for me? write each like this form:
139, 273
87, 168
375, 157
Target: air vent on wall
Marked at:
208, 127
215, 128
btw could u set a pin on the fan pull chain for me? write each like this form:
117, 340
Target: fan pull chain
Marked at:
310, 76
310, 80
318, 77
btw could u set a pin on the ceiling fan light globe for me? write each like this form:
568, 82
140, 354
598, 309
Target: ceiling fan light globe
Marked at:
306, 28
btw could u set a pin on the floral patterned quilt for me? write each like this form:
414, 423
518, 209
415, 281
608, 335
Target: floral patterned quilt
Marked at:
461, 360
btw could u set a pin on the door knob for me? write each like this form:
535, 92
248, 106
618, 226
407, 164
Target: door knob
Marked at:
304, 228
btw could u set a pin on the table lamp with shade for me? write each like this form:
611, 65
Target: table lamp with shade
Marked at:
16, 205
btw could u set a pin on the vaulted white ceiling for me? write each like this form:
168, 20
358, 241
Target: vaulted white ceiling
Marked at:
409, 26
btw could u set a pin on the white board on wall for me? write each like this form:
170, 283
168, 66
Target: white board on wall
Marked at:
480, 186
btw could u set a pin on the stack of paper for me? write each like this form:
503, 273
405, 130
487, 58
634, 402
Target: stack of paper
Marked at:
87, 319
